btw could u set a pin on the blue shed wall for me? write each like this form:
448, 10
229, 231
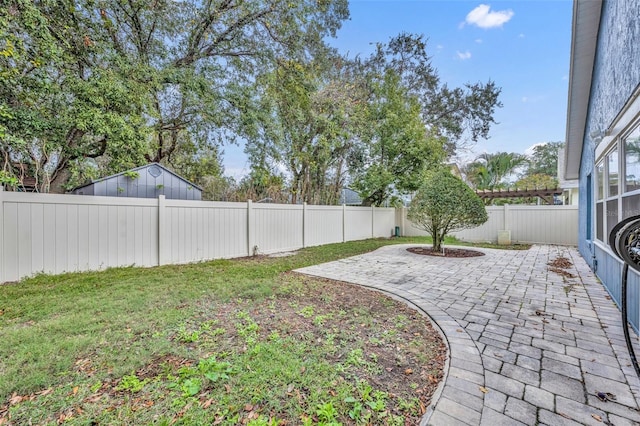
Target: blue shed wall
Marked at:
616, 75
145, 185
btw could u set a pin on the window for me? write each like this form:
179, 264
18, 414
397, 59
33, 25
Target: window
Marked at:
612, 173
632, 161
600, 203
617, 185
600, 182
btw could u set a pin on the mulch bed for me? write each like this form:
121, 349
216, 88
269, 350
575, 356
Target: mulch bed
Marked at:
448, 252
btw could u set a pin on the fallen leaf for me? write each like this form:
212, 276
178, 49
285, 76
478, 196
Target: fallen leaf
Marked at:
483, 389
290, 388
75, 390
565, 416
303, 369
207, 403
459, 330
597, 417
15, 399
408, 371
248, 407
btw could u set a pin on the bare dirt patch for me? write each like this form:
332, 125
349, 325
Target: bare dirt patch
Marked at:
448, 252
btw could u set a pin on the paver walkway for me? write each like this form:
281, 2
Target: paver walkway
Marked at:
526, 345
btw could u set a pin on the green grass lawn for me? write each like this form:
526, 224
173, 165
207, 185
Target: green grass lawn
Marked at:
200, 344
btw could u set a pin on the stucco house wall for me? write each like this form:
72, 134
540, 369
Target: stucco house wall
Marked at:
614, 83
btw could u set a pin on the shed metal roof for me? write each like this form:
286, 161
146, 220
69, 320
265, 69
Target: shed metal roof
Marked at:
135, 169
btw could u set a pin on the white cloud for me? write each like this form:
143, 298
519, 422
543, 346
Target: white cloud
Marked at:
479, 40
565, 77
533, 99
529, 151
520, 35
464, 55
439, 47
483, 17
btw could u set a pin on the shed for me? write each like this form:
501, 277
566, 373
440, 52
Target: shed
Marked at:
147, 181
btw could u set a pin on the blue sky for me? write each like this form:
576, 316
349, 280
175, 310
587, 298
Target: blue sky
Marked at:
523, 46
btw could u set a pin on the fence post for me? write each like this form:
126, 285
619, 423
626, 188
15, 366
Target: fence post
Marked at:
504, 236
344, 223
304, 224
507, 218
402, 219
250, 236
1, 234
162, 230
373, 215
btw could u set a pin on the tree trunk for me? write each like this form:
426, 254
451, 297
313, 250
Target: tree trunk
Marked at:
437, 241
56, 186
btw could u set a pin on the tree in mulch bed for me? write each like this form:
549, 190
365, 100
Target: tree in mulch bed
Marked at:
445, 204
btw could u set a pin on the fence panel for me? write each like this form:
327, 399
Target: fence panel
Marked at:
276, 227
489, 230
204, 230
384, 222
323, 225
357, 223
528, 224
544, 224
60, 233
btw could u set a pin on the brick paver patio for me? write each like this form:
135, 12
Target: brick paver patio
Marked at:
527, 345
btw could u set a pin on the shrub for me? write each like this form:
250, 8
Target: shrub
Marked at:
445, 204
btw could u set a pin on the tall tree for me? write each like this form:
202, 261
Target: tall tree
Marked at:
306, 120
461, 115
489, 171
544, 159
396, 148
405, 94
162, 68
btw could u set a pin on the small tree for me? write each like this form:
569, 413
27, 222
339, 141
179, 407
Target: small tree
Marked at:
445, 204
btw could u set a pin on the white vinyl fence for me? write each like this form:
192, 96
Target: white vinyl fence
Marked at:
528, 224
60, 233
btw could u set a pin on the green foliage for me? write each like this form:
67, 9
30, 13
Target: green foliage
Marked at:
397, 148
8, 180
327, 413
131, 383
305, 121
445, 204
115, 83
459, 114
489, 171
131, 174
544, 159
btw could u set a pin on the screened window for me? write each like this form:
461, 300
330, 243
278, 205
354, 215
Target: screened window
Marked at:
613, 174
599, 222
600, 182
632, 161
